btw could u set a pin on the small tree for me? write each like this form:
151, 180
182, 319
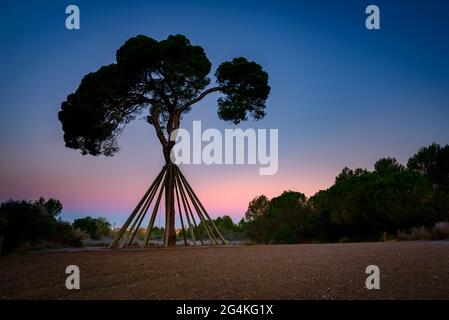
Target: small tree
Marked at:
25, 222
88, 225
387, 166
433, 162
163, 79
258, 207
103, 227
96, 228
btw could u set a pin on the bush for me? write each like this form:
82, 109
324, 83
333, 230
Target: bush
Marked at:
95, 228
284, 234
420, 233
344, 240
440, 231
27, 224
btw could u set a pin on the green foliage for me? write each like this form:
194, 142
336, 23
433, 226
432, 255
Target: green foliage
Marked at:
24, 222
157, 233
92, 117
225, 223
289, 211
103, 227
284, 234
363, 206
433, 162
258, 207
386, 166
284, 219
246, 88
95, 228
229, 229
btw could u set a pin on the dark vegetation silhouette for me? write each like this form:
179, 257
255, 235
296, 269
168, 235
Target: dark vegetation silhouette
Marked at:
96, 228
162, 80
25, 223
362, 205
227, 227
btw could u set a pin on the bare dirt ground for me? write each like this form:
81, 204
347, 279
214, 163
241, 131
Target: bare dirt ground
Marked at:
409, 270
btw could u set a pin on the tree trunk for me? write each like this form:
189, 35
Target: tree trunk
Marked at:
170, 231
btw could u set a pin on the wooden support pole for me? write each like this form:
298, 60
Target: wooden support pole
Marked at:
131, 217
136, 225
153, 215
202, 207
186, 203
192, 234
142, 213
180, 213
185, 194
153, 193
167, 217
209, 232
198, 211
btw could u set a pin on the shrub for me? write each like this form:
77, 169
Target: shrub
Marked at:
344, 240
284, 234
420, 233
95, 228
440, 231
27, 224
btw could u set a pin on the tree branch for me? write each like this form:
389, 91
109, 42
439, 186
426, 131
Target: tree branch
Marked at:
199, 98
153, 86
155, 122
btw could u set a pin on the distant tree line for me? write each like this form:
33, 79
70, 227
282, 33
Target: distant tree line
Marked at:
229, 229
362, 205
95, 228
26, 225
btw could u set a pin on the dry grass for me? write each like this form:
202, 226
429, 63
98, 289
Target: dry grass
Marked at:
420, 233
440, 231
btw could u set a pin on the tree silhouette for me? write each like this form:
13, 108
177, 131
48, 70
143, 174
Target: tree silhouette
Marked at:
163, 79
433, 162
387, 166
257, 208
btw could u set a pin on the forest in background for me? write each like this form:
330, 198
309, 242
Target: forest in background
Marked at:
391, 201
